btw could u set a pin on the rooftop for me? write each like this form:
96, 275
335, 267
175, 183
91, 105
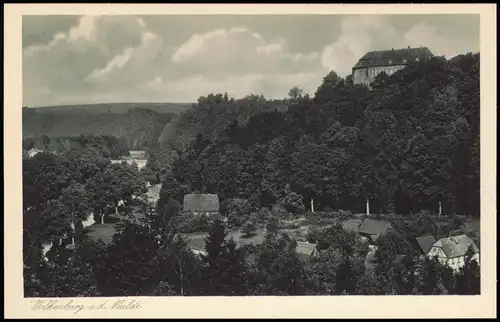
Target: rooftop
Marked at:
373, 226
137, 153
201, 202
197, 241
305, 248
425, 243
456, 246
102, 232
393, 57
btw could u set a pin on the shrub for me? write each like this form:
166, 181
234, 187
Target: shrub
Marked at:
293, 203
248, 229
272, 225
192, 223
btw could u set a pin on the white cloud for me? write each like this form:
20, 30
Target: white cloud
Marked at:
83, 30
427, 35
269, 49
359, 34
364, 33
106, 58
197, 41
116, 63
239, 51
97, 48
132, 65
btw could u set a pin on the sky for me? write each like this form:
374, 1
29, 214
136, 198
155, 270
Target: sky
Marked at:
178, 58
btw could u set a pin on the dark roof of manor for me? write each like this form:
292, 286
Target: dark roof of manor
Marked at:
393, 57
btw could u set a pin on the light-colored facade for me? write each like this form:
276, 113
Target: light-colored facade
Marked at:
451, 251
367, 75
89, 221
141, 163
33, 152
389, 61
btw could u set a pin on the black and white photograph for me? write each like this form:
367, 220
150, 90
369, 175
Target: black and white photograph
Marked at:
250, 155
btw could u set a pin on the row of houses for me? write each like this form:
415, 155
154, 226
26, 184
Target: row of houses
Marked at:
449, 251
209, 205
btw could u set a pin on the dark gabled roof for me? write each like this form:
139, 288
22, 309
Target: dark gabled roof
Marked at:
201, 202
197, 243
456, 246
305, 248
393, 57
373, 227
137, 153
103, 232
425, 243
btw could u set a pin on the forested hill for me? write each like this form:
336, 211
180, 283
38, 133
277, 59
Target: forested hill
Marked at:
408, 144
139, 123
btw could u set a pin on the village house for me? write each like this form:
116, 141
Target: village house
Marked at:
33, 152
141, 163
137, 154
451, 251
153, 194
389, 61
306, 250
372, 229
135, 157
196, 243
201, 204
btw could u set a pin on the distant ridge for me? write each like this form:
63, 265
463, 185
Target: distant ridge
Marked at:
113, 108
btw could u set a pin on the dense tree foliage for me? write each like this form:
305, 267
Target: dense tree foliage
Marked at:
408, 145
138, 126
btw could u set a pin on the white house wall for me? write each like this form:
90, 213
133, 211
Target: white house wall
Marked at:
455, 263
89, 221
367, 75
45, 249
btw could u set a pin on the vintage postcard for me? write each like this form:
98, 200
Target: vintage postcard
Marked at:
250, 160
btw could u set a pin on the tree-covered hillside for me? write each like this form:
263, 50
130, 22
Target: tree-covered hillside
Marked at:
139, 127
408, 144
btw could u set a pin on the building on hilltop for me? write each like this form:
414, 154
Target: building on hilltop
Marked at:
207, 204
388, 61
451, 251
